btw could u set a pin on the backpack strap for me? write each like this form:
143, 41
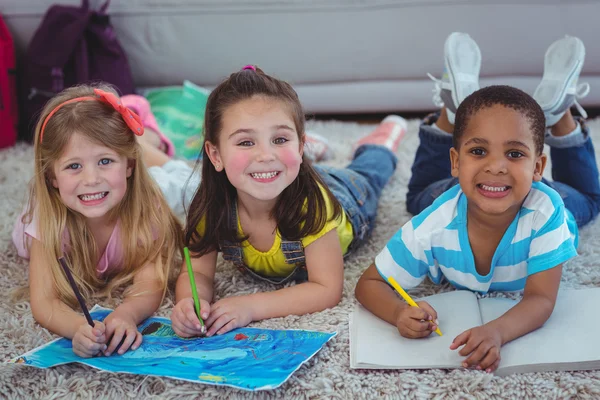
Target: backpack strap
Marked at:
104, 7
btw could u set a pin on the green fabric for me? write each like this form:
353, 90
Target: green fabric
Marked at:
179, 112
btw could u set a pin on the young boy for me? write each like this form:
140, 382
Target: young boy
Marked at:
504, 227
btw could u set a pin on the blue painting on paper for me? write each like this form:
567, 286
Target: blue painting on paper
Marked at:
246, 358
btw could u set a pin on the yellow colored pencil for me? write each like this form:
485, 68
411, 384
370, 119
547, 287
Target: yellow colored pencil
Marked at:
407, 298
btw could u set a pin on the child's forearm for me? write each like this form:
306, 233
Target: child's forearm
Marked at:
528, 315
140, 307
301, 299
58, 318
377, 297
183, 289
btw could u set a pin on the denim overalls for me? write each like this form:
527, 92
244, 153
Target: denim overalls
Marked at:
357, 188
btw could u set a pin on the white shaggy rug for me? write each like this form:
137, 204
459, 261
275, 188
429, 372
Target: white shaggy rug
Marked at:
327, 375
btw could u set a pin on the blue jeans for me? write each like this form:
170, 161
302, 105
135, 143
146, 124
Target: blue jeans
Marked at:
574, 171
358, 186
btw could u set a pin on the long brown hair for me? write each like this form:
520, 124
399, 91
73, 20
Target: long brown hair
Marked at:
299, 211
149, 230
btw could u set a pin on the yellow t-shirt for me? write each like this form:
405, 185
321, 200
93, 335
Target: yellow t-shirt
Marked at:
272, 262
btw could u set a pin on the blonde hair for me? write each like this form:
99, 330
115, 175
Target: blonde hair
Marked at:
149, 230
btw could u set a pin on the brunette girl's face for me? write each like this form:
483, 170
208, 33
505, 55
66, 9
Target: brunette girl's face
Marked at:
91, 178
258, 148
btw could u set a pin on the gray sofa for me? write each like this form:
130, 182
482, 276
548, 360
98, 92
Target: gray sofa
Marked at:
343, 56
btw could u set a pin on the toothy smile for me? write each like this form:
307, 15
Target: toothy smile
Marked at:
264, 175
494, 188
91, 197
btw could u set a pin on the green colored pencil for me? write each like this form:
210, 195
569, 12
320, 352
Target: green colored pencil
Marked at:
188, 262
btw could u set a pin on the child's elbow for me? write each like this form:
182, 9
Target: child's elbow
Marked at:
333, 299
39, 312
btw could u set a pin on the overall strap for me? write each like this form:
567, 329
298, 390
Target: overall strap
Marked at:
233, 251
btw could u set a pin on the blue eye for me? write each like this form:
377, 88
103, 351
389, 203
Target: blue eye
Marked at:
245, 143
280, 140
105, 161
73, 166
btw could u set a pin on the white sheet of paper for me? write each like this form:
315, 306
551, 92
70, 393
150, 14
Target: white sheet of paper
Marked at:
376, 344
568, 340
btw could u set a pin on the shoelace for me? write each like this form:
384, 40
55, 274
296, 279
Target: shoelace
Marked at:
581, 90
437, 99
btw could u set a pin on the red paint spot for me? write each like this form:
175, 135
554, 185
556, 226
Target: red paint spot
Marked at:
240, 336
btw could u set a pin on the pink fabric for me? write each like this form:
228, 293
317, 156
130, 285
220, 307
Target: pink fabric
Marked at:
141, 107
111, 259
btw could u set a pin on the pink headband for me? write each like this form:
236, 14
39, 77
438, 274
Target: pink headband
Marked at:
132, 120
252, 67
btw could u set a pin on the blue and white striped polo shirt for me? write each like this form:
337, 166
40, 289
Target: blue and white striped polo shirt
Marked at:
435, 243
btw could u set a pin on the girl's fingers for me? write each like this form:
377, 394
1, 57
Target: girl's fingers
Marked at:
228, 327
218, 324
115, 340
215, 314
138, 341
130, 336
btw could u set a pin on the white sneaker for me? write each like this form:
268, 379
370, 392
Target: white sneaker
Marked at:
462, 63
559, 90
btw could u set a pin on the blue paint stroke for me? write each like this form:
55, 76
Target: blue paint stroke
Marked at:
246, 358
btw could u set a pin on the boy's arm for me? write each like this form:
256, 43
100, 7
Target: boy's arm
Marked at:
377, 296
534, 309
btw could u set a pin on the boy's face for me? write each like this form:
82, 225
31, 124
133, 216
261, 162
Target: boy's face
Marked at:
497, 161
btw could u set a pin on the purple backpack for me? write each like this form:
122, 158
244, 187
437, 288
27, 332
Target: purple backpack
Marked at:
72, 45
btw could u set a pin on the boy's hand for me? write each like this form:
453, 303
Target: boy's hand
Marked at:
184, 320
228, 314
414, 322
483, 343
122, 332
88, 341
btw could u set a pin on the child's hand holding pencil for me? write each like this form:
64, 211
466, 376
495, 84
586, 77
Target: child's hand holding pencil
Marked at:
184, 319
90, 341
189, 313
416, 322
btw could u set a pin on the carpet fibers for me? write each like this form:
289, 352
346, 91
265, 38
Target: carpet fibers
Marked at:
327, 375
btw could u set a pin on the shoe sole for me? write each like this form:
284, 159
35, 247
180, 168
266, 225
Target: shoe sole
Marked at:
555, 70
465, 65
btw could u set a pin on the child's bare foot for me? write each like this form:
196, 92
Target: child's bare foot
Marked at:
152, 155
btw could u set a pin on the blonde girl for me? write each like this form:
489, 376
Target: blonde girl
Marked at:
93, 202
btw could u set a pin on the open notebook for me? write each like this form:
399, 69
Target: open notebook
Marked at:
569, 340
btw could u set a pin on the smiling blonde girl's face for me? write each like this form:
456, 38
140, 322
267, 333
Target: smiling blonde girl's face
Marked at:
91, 178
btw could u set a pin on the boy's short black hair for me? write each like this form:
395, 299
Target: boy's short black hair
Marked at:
508, 97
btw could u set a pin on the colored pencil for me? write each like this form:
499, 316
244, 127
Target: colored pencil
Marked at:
63, 262
188, 262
